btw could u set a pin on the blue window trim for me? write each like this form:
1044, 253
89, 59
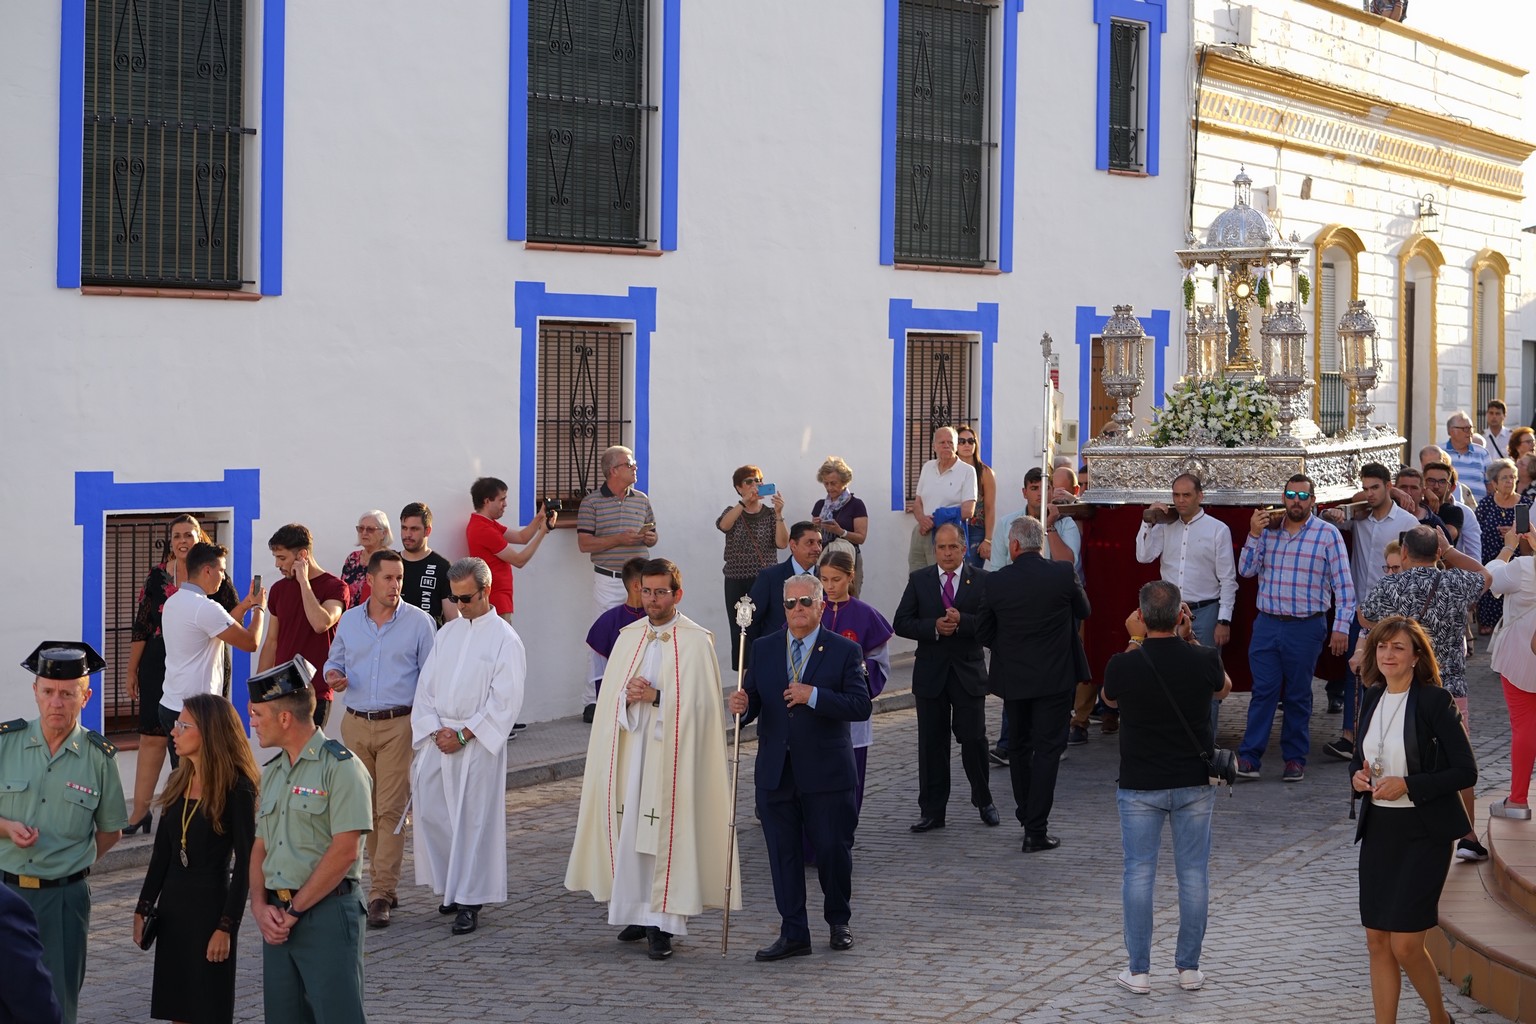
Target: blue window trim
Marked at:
904, 318
517, 123
98, 494
1153, 14
72, 144
1006, 160
534, 301
1090, 322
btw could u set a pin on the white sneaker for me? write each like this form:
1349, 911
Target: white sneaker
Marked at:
1141, 984
1191, 980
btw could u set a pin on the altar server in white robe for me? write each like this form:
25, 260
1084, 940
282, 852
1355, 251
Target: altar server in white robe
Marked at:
653, 832
467, 699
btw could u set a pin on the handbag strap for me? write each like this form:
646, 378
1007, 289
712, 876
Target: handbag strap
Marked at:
1429, 597
1205, 755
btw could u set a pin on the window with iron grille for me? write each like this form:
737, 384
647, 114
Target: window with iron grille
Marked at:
163, 143
588, 122
1332, 397
1125, 92
944, 144
939, 372
583, 405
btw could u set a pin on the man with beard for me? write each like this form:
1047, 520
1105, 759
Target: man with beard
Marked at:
655, 801
426, 571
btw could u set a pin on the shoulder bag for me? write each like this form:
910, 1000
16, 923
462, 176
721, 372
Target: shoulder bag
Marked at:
1220, 765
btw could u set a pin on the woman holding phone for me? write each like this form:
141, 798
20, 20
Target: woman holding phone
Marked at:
754, 536
1496, 517
1411, 763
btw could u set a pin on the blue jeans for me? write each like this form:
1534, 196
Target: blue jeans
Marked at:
1188, 813
1352, 681
1281, 656
1205, 631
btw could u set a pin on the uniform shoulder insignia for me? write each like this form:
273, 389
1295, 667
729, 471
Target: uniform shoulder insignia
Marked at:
101, 743
15, 725
338, 750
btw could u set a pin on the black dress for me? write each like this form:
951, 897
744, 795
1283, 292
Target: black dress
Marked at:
193, 901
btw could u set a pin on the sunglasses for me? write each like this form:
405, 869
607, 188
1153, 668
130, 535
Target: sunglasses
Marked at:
803, 602
753, 480
1298, 495
967, 440
465, 599
367, 529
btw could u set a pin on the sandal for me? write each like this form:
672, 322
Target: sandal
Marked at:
1503, 809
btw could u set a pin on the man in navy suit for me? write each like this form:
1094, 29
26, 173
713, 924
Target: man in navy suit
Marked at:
768, 588
807, 684
949, 681
27, 995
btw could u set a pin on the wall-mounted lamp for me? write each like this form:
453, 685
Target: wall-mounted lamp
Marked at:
1428, 215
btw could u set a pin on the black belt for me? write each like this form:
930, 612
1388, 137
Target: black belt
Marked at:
286, 895
1195, 606
1294, 618
382, 716
614, 573
33, 882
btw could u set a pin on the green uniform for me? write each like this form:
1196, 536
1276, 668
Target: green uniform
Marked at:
317, 975
68, 797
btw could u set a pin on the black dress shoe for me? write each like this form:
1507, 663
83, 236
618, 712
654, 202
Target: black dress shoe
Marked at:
447, 908
783, 948
658, 943
928, 824
989, 814
842, 937
1335, 705
632, 933
588, 713
467, 920
1035, 845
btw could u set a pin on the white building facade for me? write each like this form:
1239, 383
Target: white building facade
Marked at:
277, 263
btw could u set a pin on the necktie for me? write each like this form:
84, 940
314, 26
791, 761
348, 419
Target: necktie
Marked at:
949, 590
796, 657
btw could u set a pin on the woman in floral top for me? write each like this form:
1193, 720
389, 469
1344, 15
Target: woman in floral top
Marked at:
373, 534
1495, 514
146, 661
754, 535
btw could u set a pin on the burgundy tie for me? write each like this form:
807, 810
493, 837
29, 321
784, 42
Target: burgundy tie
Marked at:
949, 590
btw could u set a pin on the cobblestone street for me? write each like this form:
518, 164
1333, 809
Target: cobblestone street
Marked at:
955, 925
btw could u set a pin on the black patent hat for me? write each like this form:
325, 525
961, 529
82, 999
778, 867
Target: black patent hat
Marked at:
281, 680
64, 659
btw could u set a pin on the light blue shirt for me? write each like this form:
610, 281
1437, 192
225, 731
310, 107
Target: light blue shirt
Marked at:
1066, 529
381, 663
808, 645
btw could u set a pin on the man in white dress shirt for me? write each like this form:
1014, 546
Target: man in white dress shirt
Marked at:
1195, 551
1496, 434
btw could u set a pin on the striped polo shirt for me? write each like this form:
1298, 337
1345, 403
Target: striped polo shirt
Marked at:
603, 513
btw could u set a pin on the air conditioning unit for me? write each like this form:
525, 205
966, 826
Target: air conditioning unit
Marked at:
1234, 26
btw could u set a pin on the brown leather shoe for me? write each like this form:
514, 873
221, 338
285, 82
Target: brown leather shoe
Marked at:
378, 913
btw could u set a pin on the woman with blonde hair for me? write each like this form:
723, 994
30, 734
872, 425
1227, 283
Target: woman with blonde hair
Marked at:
208, 818
840, 515
146, 660
1411, 763
373, 534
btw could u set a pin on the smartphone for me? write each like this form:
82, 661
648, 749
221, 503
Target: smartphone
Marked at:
1522, 519
256, 582
767, 490
1402, 538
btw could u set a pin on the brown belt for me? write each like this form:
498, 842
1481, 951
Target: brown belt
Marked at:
32, 882
381, 716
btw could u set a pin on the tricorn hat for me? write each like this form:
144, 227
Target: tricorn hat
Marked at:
280, 680
63, 659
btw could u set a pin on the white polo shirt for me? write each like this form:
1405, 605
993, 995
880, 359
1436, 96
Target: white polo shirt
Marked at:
940, 489
190, 624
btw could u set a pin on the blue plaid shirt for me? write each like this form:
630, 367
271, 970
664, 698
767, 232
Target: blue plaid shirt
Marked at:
1296, 571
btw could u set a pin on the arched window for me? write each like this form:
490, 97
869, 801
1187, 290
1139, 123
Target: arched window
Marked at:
1416, 374
1335, 283
1489, 271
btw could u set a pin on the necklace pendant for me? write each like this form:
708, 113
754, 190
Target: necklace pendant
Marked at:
183, 856
1377, 769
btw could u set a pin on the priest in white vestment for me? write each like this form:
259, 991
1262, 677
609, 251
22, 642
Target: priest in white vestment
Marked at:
653, 836
467, 699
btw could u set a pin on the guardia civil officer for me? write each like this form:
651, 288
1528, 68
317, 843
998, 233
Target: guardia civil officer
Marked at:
316, 804
61, 807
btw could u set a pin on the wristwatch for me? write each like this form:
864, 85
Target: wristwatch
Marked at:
1223, 622
291, 910
656, 702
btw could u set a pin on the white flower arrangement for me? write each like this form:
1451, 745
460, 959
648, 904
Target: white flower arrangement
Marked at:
1224, 412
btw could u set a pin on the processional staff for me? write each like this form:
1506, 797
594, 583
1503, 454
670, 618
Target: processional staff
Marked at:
744, 610
1045, 432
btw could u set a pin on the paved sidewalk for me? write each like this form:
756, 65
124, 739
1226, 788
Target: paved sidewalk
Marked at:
951, 926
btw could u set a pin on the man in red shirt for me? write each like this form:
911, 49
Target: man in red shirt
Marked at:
302, 610
492, 542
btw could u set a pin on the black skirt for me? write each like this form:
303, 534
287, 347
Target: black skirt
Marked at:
1402, 870
152, 687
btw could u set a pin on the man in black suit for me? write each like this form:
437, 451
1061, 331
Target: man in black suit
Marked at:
1029, 614
807, 684
940, 611
768, 589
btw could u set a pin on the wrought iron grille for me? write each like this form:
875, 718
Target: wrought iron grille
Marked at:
588, 122
1124, 95
1487, 391
939, 370
134, 545
162, 144
1332, 403
944, 144
583, 405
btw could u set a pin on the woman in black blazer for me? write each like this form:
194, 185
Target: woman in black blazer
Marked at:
1412, 761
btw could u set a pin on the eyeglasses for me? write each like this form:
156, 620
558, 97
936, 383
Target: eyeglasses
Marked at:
1391, 570
803, 602
659, 592
465, 598
1297, 495
967, 440
367, 529
181, 726
1467, 427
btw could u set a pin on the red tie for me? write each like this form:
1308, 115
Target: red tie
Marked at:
949, 590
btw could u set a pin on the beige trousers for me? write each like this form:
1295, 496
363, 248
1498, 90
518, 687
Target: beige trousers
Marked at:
385, 749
